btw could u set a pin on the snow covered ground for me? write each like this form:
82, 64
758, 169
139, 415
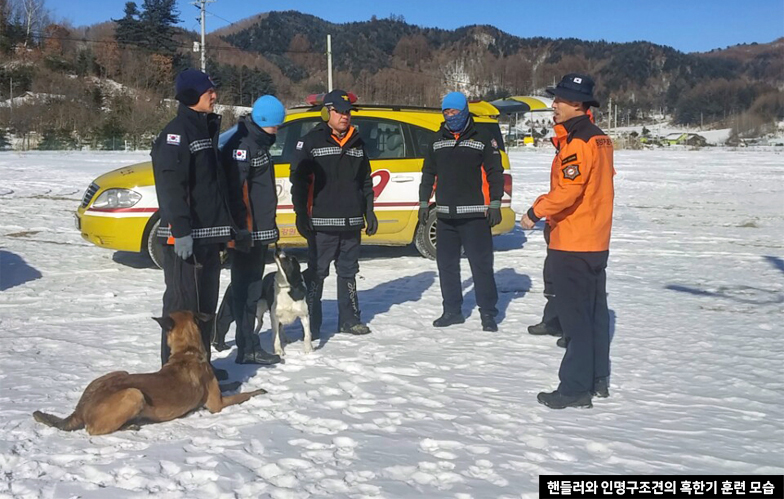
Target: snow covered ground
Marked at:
696, 289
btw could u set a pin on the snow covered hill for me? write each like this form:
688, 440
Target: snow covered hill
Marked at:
696, 290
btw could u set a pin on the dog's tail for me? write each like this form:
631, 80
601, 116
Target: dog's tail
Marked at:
71, 423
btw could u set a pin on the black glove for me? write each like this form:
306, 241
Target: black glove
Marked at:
304, 225
243, 240
372, 223
493, 216
422, 215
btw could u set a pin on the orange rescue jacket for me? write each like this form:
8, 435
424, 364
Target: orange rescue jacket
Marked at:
579, 206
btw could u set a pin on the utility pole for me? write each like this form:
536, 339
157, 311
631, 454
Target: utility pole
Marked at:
329, 62
202, 4
609, 116
616, 116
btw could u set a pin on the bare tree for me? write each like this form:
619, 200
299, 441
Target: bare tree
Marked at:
35, 16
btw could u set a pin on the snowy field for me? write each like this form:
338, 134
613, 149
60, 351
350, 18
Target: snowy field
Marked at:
696, 292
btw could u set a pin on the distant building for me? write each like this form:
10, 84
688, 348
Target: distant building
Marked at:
685, 139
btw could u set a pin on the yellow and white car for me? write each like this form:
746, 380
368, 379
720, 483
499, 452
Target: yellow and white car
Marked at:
119, 209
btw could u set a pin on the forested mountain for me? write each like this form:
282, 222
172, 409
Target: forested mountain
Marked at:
103, 85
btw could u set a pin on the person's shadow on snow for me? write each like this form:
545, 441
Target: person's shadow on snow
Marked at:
372, 302
510, 285
14, 271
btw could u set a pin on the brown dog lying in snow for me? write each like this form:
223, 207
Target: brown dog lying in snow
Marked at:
185, 383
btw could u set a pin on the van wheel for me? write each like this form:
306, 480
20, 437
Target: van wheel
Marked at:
153, 247
425, 238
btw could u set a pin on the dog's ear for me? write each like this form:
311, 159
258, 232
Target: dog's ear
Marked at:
167, 323
202, 317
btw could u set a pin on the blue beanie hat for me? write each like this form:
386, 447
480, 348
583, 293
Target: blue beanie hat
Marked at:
268, 111
454, 100
190, 85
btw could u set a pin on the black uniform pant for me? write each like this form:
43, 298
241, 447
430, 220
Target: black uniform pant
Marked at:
475, 236
581, 299
247, 269
193, 285
341, 247
550, 314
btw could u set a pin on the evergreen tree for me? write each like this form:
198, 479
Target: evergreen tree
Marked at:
4, 143
158, 19
129, 30
56, 140
85, 63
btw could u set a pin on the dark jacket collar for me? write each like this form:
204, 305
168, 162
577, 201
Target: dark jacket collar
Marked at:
207, 122
256, 134
573, 124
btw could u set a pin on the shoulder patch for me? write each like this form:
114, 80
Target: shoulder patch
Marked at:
571, 172
173, 139
299, 145
569, 159
240, 154
494, 143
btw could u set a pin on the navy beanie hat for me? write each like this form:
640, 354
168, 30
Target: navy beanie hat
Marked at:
268, 111
190, 85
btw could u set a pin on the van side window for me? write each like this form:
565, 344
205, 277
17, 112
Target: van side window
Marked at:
288, 135
422, 138
383, 139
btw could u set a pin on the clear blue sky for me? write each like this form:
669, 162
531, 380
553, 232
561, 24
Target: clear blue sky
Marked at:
687, 25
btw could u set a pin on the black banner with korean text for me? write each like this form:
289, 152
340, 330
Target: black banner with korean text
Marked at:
682, 486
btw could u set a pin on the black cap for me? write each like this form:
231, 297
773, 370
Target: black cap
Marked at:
575, 87
338, 99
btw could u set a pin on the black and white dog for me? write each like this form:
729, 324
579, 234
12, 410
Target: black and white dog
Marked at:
283, 294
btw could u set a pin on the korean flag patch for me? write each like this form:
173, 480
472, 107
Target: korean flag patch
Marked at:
299, 145
494, 144
240, 154
172, 139
571, 172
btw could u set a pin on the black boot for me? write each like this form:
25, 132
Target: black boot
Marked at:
348, 307
601, 387
557, 400
544, 328
249, 349
258, 356
223, 320
315, 290
488, 323
562, 342
449, 319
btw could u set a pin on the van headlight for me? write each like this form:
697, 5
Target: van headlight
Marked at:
117, 198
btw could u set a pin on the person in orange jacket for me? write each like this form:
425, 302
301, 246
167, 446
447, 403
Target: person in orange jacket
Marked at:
579, 210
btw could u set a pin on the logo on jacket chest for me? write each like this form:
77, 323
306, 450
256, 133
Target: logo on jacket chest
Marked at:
571, 172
